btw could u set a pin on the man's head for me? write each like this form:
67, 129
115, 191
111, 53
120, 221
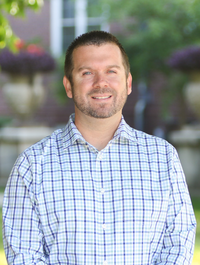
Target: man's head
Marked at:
97, 75
96, 38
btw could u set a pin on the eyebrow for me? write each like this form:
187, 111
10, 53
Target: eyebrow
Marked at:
89, 68
114, 66
83, 68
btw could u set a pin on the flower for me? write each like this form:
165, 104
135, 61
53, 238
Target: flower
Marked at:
186, 60
28, 60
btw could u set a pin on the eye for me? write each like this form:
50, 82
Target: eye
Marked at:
87, 73
111, 71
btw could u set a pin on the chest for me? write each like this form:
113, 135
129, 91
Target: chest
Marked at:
118, 187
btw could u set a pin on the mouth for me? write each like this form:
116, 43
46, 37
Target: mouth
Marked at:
101, 97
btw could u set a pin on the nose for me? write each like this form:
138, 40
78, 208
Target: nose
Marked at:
100, 81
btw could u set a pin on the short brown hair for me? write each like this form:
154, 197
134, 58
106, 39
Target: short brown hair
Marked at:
92, 38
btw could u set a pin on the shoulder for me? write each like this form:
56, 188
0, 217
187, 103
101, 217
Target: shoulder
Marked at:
152, 148
32, 162
147, 141
51, 145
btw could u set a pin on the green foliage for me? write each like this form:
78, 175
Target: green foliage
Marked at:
94, 8
196, 205
1, 236
58, 83
151, 30
14, 8
3, 121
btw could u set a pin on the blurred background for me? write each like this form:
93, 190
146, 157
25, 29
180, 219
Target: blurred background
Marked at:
162, 40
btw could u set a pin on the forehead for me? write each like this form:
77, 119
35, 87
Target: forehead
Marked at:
108, 52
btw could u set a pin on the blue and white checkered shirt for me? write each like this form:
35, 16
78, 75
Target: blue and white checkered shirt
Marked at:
128, 204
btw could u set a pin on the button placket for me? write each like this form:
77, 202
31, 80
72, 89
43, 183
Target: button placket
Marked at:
99, 204
102, 191
101, 166
100, 156
104, 226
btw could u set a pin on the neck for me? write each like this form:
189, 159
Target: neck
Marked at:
97, 132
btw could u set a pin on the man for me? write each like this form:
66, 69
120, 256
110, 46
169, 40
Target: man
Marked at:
98, 192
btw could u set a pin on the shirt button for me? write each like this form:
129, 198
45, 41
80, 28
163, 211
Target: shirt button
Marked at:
100, 156
104, 226
102, 191
105, 262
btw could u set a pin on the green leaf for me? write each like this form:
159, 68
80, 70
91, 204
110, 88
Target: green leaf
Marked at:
14, 8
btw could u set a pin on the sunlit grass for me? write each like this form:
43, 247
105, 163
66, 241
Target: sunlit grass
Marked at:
196, 205
2, 258
196, 259
2, 255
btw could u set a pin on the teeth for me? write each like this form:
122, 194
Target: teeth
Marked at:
102, 97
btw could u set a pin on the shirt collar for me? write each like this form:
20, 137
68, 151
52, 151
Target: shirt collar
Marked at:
125, 131
71, 134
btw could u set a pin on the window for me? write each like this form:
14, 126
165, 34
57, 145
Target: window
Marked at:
70, 18
68, 36
68, 9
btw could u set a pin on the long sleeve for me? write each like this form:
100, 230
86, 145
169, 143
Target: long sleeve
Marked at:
179, 239
67, 203
22, 234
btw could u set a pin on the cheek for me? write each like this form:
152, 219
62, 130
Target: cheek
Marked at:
115, 82
82, 84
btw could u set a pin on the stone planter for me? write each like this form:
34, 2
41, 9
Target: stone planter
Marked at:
192, 93
24, 95
187, 143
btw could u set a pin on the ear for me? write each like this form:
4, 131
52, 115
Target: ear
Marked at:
129, 84
67, 86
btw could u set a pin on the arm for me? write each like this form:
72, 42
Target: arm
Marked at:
22, 234
179, 239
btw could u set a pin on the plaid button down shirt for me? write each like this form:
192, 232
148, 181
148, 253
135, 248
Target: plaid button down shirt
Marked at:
68, 203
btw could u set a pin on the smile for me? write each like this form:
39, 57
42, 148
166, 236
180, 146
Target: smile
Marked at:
106, 97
